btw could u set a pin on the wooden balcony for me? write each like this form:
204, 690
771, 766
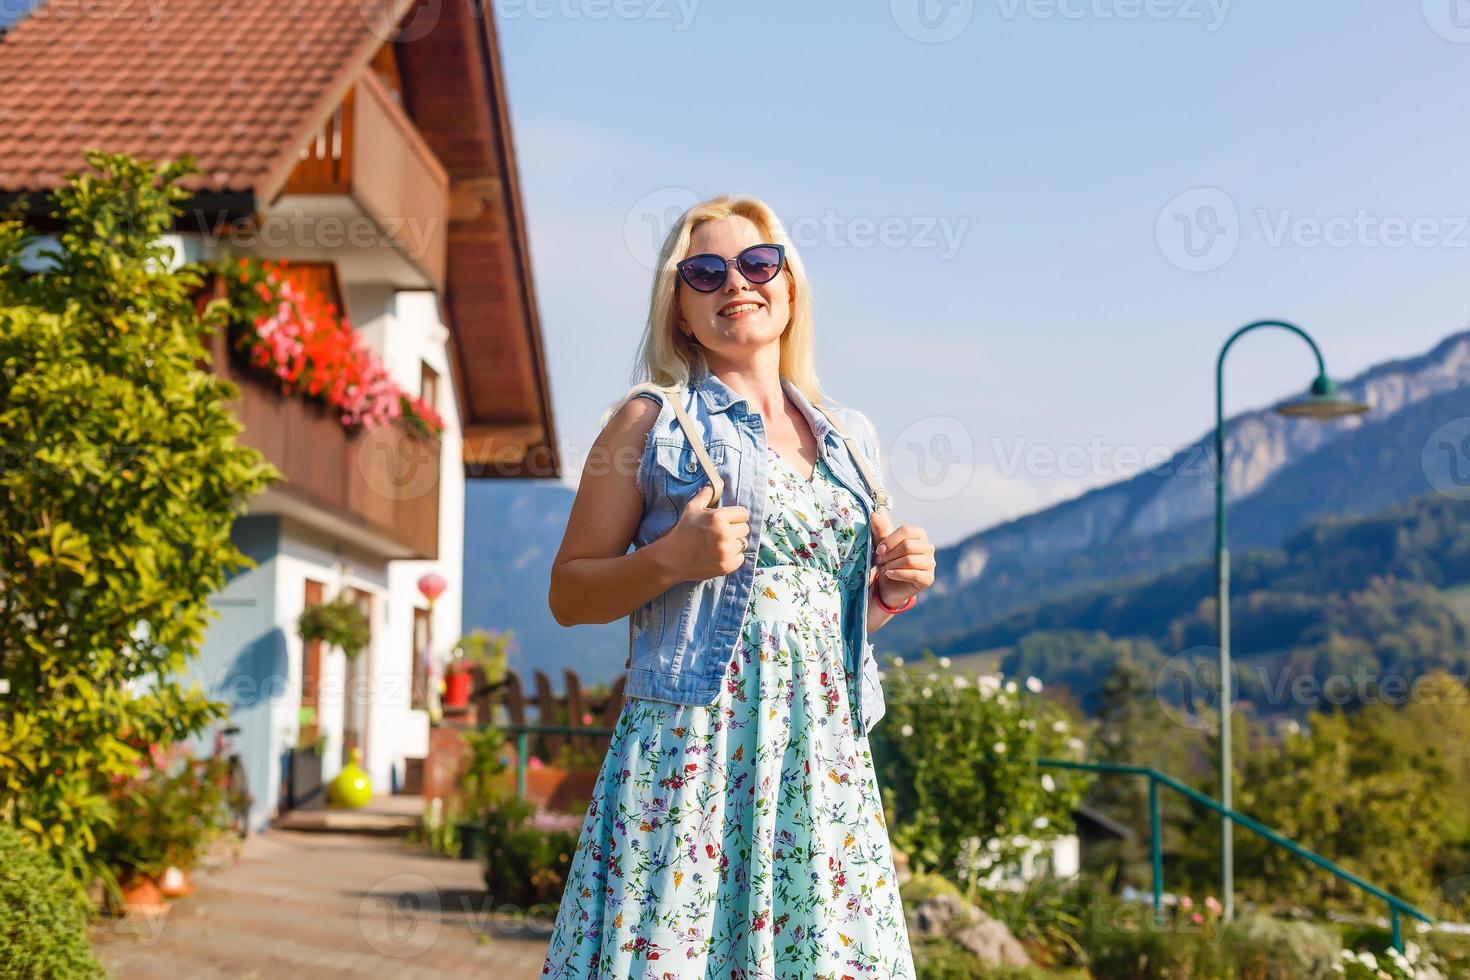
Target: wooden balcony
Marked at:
379, 488
370, 151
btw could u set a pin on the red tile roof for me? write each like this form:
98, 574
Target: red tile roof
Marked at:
242, 85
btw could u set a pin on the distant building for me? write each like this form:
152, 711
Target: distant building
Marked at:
368, 144
1056, 857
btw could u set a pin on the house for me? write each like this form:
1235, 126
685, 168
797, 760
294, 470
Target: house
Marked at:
367, 145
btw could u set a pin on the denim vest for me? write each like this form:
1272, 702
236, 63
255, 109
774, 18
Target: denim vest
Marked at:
681, 642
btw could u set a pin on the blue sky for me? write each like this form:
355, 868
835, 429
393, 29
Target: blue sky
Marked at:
1065, 147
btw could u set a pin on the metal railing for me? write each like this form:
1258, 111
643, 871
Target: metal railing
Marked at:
1156, 778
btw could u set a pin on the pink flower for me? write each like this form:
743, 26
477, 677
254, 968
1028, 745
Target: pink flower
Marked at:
1186, 903
1196, 918
1213, 904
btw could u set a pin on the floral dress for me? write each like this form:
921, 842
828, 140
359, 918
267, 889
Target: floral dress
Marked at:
745, 839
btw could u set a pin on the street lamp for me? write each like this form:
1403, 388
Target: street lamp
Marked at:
1322, 404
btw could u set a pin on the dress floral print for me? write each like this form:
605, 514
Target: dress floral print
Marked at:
745, 839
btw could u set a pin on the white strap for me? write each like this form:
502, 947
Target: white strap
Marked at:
672, 396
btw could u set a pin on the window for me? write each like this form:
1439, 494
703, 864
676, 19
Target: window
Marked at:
429, 385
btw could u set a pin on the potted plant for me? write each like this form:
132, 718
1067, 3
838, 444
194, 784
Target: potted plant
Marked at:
165, 818
304, 789
482, 648
340, 623
457, 680
490, 650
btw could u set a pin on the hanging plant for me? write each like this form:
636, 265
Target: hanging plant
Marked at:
339, 623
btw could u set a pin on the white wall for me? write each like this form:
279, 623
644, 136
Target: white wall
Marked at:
406, 330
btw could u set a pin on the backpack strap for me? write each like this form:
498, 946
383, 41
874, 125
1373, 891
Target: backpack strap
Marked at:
671, 395
875, 487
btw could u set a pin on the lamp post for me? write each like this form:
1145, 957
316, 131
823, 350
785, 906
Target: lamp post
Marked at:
1324, 403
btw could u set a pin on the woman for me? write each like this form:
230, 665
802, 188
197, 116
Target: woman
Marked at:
736, 828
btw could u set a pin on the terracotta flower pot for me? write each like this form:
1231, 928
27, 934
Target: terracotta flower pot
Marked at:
142, 896
176, 883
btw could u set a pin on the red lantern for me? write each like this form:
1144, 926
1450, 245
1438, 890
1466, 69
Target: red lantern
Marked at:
432, 586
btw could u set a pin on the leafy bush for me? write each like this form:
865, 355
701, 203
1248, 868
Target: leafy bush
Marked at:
1124, 939
166, 815
43, 928
1265, 948
1045, 916
528, 851
120, 478
1434, 950
481, 787
956, 756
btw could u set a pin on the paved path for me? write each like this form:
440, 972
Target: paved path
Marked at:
325, 905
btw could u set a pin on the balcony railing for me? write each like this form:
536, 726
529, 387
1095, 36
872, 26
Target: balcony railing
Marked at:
382, 483
370, 150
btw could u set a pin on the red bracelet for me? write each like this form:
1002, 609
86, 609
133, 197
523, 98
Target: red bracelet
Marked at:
892, 610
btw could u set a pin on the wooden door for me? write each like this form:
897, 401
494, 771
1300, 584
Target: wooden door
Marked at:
311, 672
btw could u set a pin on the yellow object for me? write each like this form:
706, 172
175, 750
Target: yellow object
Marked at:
352, 787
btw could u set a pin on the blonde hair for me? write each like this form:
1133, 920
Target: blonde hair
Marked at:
667, 358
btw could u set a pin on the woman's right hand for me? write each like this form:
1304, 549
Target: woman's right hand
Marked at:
707, 541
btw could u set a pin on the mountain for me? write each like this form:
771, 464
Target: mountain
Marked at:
512, 531
1281, 473
1368, 601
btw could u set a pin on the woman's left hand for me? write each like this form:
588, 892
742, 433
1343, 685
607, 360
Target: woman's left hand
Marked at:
903, 561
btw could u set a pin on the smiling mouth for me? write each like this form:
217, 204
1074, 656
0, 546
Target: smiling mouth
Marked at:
736, 310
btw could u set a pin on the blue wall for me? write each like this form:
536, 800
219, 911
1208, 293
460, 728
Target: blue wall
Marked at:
244, 661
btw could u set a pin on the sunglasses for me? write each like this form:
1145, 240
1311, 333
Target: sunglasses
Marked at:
707, 272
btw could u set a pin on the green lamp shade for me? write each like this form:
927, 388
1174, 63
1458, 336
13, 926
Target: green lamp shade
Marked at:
1323, 403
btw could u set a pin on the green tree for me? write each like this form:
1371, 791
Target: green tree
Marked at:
1356, 788
120, 478
1133, 729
